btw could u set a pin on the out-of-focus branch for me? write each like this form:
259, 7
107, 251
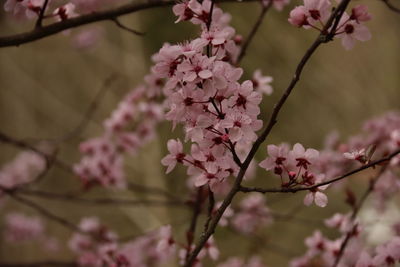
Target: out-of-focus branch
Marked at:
134, 187
193, 222
100, 201
125, 28
24, 145
391, 6
45, 31
61, 221
294, 190
90, 111
254, 30
39, 264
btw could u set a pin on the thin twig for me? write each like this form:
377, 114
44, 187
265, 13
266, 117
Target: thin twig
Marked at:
125, 28
134, 187
61, 221
41, 14
90, 111
24, 145
254, 30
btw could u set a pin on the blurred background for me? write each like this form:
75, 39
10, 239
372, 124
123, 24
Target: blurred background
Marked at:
47, 86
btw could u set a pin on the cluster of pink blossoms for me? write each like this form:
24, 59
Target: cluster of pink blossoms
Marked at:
130, 126
296, 167
315, 13
20, 228
22, 170
358, 252
219, 114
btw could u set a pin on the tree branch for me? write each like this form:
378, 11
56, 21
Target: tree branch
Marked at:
254, 30
125, 28
45, 31
100, 201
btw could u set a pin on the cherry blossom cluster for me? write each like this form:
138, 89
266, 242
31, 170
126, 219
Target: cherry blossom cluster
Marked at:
96, 245
22, 170
315, 14
251, 215
358, 252
130, 126
295, 167
308, 167
20, 228
203, 92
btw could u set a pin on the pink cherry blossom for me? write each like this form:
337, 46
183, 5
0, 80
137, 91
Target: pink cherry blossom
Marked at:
360, 13
350, 31
262, 83
176, 155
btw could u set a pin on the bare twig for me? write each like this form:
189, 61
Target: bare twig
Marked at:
61, 221
24, 145
90, 111
41, 14
254, 30
125, 28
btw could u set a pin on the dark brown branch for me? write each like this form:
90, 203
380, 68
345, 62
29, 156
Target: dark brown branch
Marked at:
273, 119
45, 31
125, 28
391, 6
41, 14
211, 203
254, 30
193, 222
294, 190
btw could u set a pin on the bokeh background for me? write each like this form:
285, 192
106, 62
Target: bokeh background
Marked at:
47, 86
